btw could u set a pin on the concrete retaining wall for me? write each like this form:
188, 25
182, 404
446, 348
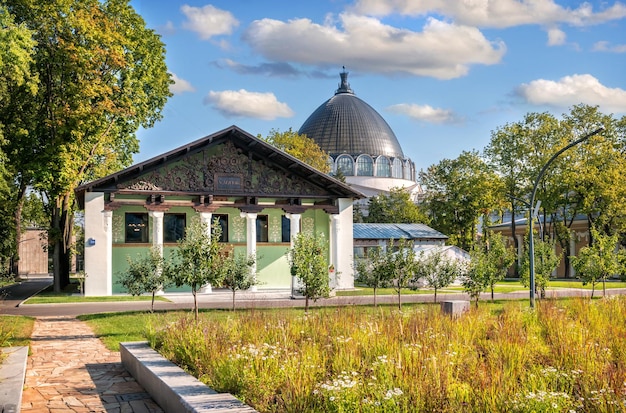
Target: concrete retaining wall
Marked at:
171, 387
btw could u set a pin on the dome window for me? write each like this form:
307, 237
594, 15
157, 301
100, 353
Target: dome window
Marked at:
365, 166
345, 164
383, 167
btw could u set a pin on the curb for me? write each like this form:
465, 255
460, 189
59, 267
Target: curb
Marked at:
171, 387
12, 375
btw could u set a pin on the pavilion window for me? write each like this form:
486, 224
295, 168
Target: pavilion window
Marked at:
136, 224
285, 229
262, 228
174, 227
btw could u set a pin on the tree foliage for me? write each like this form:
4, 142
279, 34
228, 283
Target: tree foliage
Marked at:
394, 208
546, 261
309, 265
198, 260
237, 274
372, 271
299, 146
602, 259
147, 273
436, 269
457, 193
402, 265
100, 75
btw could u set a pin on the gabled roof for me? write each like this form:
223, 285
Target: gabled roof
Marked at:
395, 231
282, 165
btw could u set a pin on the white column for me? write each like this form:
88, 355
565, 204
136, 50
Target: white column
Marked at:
207, 219
157, 230
294, 227
251, 241
98, 246
335, 248
108, 228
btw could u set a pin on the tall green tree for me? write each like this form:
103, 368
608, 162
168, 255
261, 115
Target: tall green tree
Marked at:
395, 208
299, 146
602, 259
17, 82
457, 193
101, 75
198, 260
309, 265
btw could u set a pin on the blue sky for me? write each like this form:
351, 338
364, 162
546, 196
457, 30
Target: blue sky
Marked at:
443, 74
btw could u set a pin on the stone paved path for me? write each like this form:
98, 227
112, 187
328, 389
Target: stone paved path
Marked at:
70, 370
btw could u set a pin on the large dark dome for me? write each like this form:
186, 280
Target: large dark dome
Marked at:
346, 124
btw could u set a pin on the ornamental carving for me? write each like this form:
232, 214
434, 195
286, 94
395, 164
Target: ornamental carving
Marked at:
200, 172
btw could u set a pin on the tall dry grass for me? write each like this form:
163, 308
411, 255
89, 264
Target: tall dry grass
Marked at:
565, 356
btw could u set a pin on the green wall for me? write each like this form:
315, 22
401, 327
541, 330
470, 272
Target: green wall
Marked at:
272, 262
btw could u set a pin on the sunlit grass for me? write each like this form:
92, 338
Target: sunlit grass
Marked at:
566, 355
70, 295
15, 330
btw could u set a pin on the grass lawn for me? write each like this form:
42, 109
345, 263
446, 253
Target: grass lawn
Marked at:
71, 295
15, 330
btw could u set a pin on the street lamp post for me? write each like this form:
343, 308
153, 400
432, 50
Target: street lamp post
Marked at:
531, 241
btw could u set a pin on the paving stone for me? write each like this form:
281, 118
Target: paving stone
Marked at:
70, 370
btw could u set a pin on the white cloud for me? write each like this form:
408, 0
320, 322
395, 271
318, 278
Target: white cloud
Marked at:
556, 37
180, 86
208, 21
441, 50
166, 29
605, 46
573, 90
496, 13
425, 113
241, 103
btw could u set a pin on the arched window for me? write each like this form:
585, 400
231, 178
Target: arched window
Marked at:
396, 172
365, 166
383, 168
345, 164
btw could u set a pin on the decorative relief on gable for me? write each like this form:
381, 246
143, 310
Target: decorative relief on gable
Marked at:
224, 169
275, 229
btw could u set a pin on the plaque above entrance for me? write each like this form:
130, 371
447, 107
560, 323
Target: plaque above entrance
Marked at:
228, 182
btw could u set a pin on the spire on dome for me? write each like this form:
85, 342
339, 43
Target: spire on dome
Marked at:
344, 86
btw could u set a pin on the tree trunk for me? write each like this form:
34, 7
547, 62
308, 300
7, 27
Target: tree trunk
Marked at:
60, 237
515, 242
435, 295
19, 205
152, 305
306, 304
195, 303
399, 300
234, 291
375, 305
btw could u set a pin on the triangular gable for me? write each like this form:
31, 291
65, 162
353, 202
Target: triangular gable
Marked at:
229, 162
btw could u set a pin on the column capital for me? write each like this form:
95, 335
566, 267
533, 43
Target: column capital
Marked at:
156, 214
248, 215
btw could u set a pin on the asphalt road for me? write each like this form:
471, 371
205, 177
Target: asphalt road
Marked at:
16, 293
